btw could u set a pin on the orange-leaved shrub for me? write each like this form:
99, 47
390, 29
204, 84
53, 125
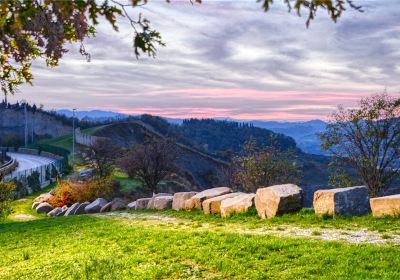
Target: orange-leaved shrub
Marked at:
68, 193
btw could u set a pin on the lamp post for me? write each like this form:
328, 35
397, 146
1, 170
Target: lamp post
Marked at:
73, 140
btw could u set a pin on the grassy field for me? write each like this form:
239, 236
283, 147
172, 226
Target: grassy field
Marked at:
127, 184
182, 245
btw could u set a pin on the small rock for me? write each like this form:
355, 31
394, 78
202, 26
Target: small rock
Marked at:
44, 208
180, 198
237, 204
81, 208
142, 203
160, 202
54, 212
96, 206
106, 208
64, 209
131, 206
44, 197
277, 200
71, 210
195, 201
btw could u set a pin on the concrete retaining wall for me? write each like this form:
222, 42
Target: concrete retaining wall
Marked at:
85, 139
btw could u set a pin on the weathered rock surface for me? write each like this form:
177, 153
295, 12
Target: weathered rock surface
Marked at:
95, 206
35, 204
114, 205
131, 206
386, 206
238, 204
142, 203
180, 198
353, 201
277, 200
162, 194
71, 210
54, 212
195, 201
44, 208
81, 208
212, 205
64, 210
160, 202
44, 197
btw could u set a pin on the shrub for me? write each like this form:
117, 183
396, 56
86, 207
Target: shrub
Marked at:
34, 181
6, 190
64, 194
95, 188
68, 193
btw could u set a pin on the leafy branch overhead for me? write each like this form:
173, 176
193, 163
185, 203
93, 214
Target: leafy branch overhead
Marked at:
35, 29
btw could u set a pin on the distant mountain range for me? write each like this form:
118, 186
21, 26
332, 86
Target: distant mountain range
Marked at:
304, 133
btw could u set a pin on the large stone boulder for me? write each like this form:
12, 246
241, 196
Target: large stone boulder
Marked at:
386, 206
71, 210
212, 205
54, 212
180, 198
142, 203
160, 202
95, 206
131, 206
81, 208
277, 200
238, 204
44, 197
114, 205
195, 201
353, 201
44, 208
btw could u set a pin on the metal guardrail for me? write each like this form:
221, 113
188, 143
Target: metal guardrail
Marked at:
19, 175
8, 167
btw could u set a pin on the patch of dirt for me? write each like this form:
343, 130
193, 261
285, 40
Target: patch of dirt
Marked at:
360, 236
24, 217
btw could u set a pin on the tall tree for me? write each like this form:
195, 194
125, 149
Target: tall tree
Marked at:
35, 29
368, 138
151, 162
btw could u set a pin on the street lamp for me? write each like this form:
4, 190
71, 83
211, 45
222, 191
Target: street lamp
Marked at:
73, 140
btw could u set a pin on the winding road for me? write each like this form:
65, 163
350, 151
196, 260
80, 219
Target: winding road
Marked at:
27, 162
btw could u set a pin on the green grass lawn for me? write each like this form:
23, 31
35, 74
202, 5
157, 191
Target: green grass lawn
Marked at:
192, 247
127, 184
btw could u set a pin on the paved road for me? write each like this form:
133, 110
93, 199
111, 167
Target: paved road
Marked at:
26, 162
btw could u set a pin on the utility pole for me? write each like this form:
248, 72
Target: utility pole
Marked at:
26, 125
73, 140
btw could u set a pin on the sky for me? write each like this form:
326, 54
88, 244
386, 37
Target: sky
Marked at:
230, 59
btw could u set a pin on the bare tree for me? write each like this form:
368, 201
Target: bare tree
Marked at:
102, 155
151, 162
368, 138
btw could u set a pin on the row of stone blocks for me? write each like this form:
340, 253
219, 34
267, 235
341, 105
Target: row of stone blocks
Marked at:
355, 201
273, 201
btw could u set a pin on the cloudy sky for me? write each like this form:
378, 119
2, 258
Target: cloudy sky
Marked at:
230, 59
